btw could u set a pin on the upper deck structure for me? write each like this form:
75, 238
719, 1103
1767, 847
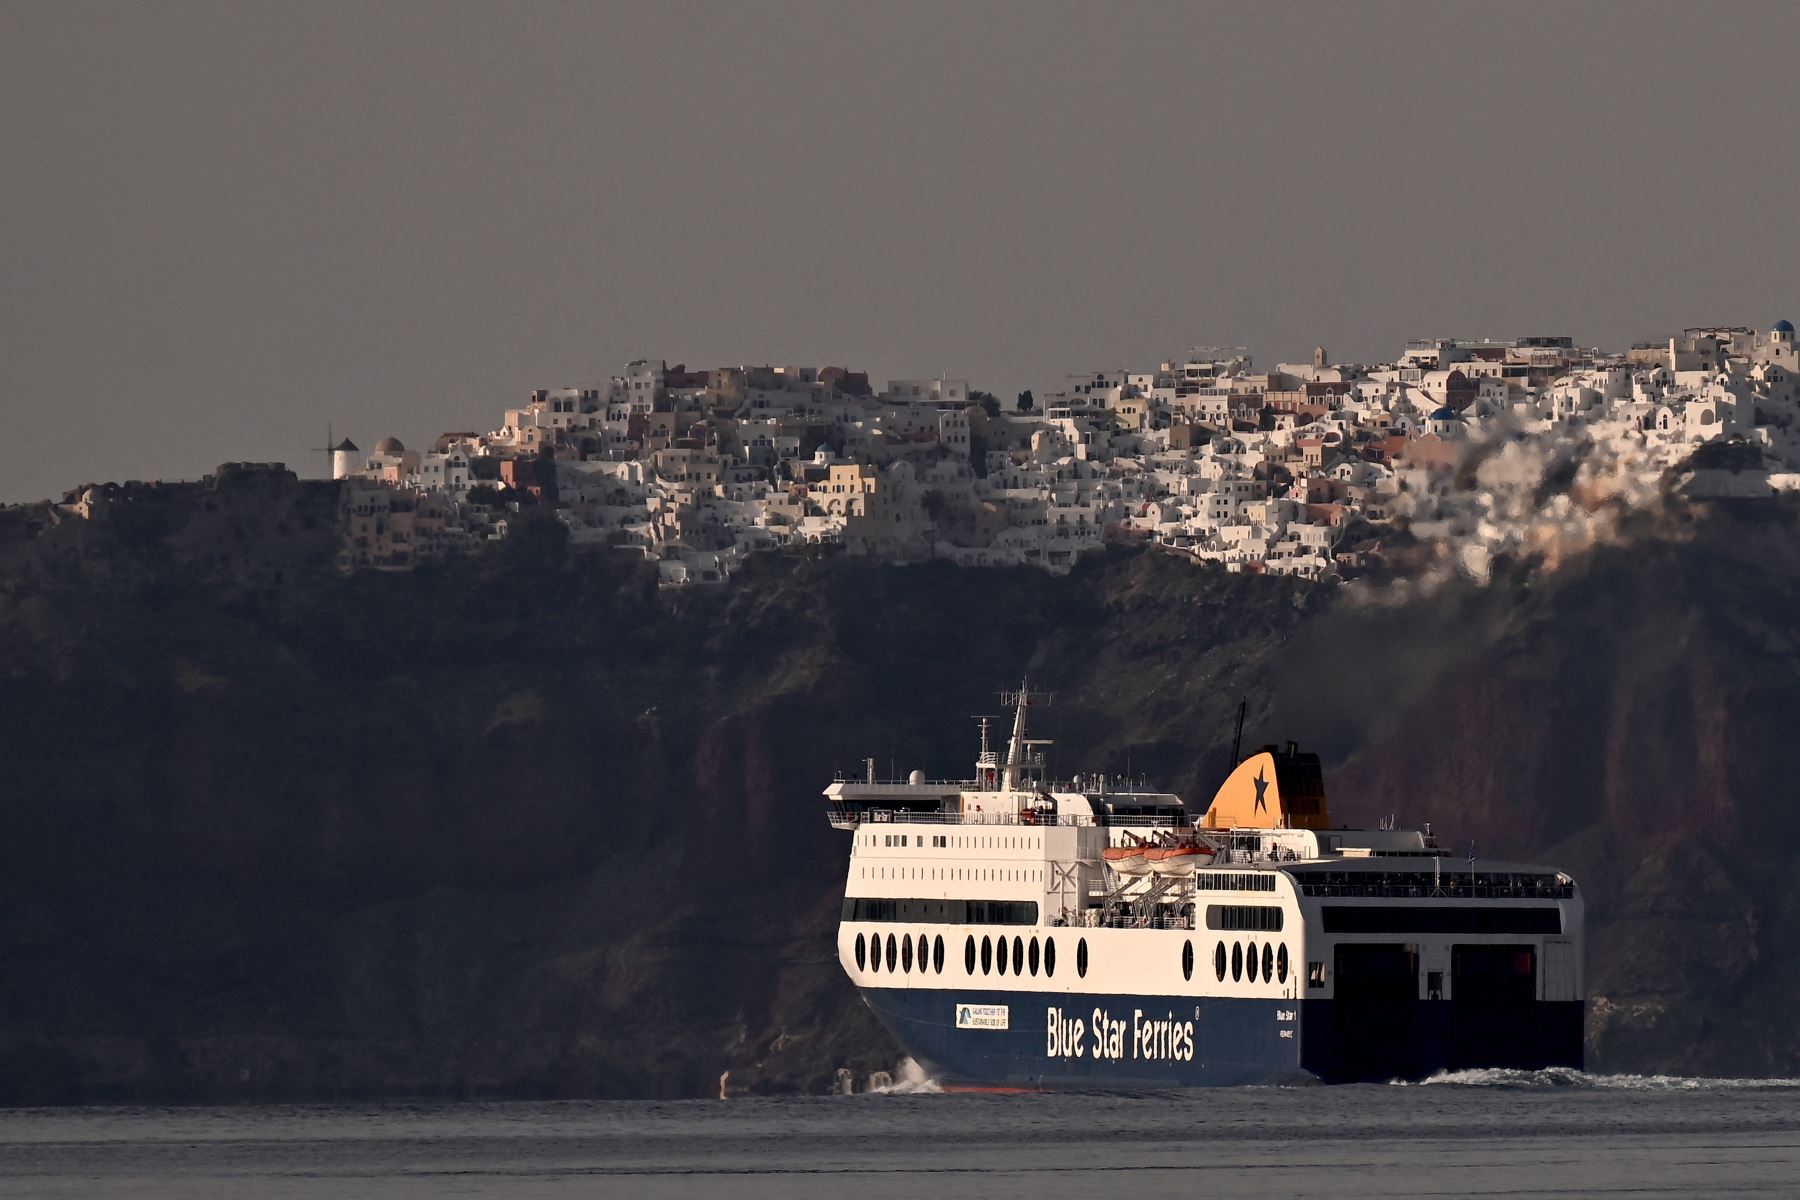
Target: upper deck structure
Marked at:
1269, 944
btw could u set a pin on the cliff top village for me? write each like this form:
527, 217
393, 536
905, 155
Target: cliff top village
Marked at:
1454, 453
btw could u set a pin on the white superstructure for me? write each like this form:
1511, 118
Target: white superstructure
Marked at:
1135, 943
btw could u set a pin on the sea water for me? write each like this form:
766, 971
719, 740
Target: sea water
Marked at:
1484, 1133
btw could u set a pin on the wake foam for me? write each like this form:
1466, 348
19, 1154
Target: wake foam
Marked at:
910, 1079
1568, 1077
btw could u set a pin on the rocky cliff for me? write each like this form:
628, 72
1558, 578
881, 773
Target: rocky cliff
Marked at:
520, 825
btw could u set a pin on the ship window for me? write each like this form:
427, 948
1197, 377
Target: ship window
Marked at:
1243, 916
1081, 958
969, 955
987, 956
1034, 956
1237, 961
1219, 961
937, 953
875, 952
906, 953
1000, 955
1315, 974
1269, 961
1281, 964
1018, 955
1453, 919
1187, 960
924, 946
1250, 965
860, 951
890, 951
1050, 956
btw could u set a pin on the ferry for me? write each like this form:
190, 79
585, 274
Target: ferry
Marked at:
1016, 933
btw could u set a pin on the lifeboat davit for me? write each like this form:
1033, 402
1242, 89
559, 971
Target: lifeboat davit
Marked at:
1127, 860
1175, 860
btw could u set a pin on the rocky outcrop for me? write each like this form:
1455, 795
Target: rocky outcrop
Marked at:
518, 825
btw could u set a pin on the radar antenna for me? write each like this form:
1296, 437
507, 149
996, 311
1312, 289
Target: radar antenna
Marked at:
1026, 698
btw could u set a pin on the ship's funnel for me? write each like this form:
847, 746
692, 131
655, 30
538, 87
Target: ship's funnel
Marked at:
1271, 789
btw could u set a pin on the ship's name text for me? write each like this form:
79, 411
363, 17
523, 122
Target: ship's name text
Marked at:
1102, 1037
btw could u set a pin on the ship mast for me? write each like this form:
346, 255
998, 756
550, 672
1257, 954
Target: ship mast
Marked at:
1020, 759
987, 763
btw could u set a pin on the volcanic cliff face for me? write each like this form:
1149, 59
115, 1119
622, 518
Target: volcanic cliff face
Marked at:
519, 825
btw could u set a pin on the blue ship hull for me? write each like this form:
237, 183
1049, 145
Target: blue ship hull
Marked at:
1065, 1040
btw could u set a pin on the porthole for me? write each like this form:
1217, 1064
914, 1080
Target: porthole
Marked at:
924, 951
1018, 955
1000, 955
906, 953
1050, 956
1281, 963
1268, 962
969, 955
875, 952
1034, 956
1237, 961
893, 957
1081, 958
1187, 960
1219, 961
1250, 963
987, 955
861, 951
937, 953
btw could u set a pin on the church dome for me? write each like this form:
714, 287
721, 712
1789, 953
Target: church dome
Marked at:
389, 445
1783, 326
1445, 414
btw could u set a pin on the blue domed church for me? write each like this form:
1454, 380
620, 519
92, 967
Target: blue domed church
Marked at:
1777, 347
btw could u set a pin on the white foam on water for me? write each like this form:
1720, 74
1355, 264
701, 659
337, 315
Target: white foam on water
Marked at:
1568, 1077
910, 1079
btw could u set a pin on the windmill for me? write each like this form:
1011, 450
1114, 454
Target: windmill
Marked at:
331, 449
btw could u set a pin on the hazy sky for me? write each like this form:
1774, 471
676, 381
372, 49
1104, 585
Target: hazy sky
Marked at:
223, 226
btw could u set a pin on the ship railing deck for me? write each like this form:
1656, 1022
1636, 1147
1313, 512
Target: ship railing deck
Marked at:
1094, 918
847, 818
1449, 886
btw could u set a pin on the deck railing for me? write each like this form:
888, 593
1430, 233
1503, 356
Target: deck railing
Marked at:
1450, 886
842, 817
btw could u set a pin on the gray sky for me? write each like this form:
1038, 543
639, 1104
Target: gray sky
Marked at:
223, 226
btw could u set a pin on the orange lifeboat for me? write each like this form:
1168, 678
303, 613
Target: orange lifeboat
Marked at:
1127, 860
1176, 860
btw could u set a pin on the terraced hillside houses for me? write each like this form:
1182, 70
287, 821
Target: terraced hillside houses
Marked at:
1456, 452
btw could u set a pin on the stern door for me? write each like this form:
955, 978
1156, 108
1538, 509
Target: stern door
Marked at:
1559, 970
